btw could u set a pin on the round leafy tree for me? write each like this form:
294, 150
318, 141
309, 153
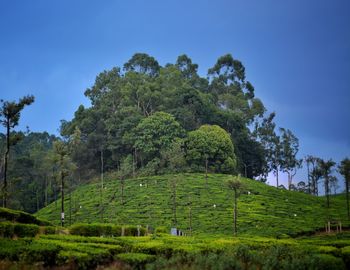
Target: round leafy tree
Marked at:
156, 133
211, 147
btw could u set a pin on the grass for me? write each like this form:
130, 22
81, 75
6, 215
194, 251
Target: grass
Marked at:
262, 210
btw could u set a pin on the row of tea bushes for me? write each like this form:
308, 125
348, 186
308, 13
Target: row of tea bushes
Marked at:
21, 217
100, 229
10, 230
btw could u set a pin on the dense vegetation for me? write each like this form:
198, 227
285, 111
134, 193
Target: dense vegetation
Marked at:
168, 252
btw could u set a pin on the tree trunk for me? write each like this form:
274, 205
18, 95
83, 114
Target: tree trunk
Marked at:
277, 184
62, 198
326, 182
235, 214
101, 199
347, 197
70, 206
308, 177
122, 190
37, 200
174, 202
6, 161
133, 163
206, 172
289, 180
190, 217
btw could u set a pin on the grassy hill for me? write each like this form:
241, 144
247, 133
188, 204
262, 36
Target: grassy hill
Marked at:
262, 209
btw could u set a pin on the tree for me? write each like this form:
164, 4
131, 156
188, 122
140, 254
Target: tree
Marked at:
10, 113
211, 147
313, 173
344, 170
64, 167
142, 63
289, 149
237, 186
126, 169
173, 158
326, 168
156, 133
271, 142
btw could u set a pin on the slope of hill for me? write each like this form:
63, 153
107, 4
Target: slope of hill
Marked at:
262, 209
10, 215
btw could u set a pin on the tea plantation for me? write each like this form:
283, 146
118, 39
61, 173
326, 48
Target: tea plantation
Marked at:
262, 210
277, 229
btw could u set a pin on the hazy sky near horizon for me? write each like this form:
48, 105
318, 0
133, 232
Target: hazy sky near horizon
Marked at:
296, 54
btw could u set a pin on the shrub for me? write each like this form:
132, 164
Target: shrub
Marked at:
137, 260
41, 252
328, 262
161, 229
26, 230
10, 249
6, 229
95, 229
20, 217
80, 259
49, 230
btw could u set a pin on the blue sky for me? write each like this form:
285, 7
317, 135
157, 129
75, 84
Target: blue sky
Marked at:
296, 54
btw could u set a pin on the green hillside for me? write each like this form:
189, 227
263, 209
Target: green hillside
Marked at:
262, 209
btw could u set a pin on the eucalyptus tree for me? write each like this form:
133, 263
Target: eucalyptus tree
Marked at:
313, 173
344, 170
10, 113
64, 167
266, 134
326, 168
289, 149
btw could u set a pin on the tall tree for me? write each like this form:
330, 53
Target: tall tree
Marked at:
64, 166
10, 113
290, 148
237, 186
344, 169
313, 173
326, 168
142, 63
271, 142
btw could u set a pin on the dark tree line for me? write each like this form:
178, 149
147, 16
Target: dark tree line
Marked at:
115, 127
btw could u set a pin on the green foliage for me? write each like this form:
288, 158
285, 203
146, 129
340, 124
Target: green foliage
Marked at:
95, 229
135, 259
211, 146
8, 229
169, 252
156, 133
25, 230
20, 217
131, 109
99, 229
161, 229
263, 210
